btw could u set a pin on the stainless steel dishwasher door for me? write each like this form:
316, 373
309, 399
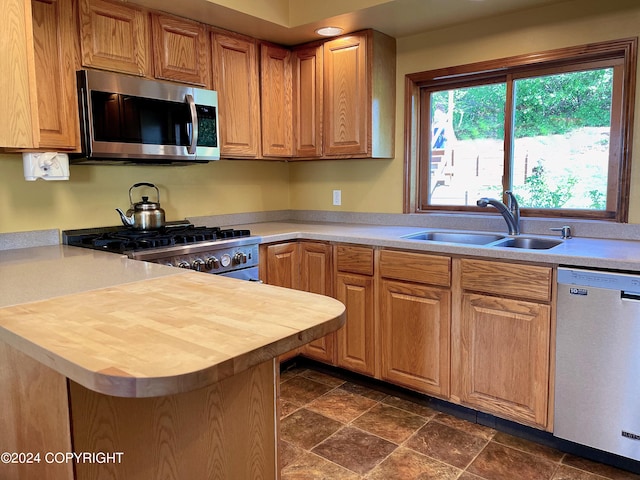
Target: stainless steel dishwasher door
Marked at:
597, 386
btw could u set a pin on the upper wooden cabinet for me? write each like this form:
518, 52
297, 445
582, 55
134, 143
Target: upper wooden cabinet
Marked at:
114, 36
56, 53
18, 100
235, 77
39, 103
275, 90
308, 83
180, 50
359, 96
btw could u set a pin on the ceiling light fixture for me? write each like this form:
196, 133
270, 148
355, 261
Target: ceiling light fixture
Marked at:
329, 31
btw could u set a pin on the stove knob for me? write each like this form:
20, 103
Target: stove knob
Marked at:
184, 264
239, 258
212, 263
198, 265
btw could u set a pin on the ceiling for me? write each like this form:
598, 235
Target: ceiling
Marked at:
291, 22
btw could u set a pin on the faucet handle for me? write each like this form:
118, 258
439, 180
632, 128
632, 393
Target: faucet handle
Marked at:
512, 204
565, 229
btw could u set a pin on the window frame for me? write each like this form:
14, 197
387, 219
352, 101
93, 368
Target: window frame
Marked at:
418, 87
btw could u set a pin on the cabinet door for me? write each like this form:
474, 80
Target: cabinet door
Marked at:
317, 277
56, 64
283, 265
275, 85
280, 265
114, 36
414, 332
307, 101
501, 353
235, 77
18, 100
346, 86
180, 50
356, 340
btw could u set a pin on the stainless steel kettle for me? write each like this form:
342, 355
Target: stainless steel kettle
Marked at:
144, 215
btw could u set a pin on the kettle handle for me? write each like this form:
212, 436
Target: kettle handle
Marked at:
144, 184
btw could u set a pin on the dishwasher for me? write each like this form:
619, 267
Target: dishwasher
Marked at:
597, 385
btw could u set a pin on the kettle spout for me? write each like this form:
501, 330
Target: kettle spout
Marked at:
126, 221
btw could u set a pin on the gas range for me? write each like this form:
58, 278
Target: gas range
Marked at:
216, 250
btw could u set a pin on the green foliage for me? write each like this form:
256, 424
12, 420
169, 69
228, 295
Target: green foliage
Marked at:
546, 105
598, 200
557, 104
538, 192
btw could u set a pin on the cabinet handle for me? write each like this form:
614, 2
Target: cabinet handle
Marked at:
194, 125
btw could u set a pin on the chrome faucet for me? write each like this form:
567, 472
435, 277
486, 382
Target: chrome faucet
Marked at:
510, 212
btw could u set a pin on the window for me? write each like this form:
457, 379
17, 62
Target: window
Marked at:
553, 127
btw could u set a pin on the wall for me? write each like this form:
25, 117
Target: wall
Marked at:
91, 195
89, 198
376, 185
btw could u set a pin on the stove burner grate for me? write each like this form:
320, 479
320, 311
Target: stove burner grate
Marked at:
122, 240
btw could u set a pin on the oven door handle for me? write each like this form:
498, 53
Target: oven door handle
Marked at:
191, 149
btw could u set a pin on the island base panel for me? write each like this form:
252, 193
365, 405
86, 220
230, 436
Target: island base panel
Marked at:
224, 431
34, 418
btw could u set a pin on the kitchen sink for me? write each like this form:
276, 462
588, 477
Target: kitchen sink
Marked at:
532, 243
489, 239
455, 237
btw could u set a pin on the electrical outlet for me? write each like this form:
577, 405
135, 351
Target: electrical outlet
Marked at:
337, 197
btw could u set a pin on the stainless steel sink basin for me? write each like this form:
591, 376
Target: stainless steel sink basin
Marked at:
455, 237
532, 243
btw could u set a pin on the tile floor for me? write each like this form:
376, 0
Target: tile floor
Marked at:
333, 429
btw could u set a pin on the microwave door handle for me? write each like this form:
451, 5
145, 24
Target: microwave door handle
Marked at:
194, 125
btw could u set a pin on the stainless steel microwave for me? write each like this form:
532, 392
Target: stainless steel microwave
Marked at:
126, 119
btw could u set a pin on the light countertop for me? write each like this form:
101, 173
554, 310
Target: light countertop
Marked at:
129, 328
576, 251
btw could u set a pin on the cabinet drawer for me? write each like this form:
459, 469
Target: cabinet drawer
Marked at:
507, 279
354, 259
416, 267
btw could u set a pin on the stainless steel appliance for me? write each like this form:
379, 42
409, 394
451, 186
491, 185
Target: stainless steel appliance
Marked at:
126, 119
597, 388
229, 252
143, 215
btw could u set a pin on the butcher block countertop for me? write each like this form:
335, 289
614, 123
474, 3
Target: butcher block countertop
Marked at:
134, 329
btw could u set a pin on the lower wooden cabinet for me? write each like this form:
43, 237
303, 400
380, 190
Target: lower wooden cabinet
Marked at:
414, 336
504, 357
280, 264
303, 266
501, 347
316, 276
415, 313
472, 331
356, 340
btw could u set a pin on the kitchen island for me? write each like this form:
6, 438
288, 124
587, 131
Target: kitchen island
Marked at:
140, 370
